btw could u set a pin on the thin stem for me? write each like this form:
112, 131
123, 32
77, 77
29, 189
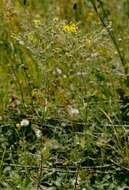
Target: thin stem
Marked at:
110, 33
19, 85
41, 168
76, 177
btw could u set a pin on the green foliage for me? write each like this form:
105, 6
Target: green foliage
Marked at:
64, 106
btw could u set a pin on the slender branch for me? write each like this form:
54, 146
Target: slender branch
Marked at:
76, 177
41, 167
110, 33
63, 169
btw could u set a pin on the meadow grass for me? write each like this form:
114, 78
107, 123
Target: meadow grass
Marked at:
64, 95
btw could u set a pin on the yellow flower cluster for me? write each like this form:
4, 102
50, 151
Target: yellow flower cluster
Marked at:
70, 28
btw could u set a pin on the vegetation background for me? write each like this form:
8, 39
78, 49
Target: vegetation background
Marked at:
64, 94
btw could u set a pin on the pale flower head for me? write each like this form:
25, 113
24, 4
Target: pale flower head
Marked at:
38, 133
57, 71
24, 122
73, 111
18, 126
37, 21
55, 19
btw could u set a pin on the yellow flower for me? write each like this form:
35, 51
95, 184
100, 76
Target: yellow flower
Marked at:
18, 126
70, 28
37, 21
34, 93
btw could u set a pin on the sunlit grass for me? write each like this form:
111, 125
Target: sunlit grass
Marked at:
63, 96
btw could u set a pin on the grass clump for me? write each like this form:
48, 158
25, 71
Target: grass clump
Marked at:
64, 95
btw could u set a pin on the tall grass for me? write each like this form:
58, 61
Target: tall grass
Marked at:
64, 95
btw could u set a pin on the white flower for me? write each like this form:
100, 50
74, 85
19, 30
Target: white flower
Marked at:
94, 55
18, 102
24, 123
38, 133
73, 111
59, 71
21, 42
